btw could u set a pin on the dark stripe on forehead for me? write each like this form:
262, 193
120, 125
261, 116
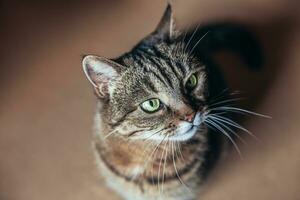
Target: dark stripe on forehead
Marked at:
138, 59
173, 64
147, 82
142, 59
159, 78
179, 66
147, 64
174, 71
159, 68
169, 63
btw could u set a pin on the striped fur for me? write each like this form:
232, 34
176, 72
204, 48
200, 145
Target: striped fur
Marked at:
142, 156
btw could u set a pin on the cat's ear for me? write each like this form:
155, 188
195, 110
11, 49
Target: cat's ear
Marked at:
100, 72
166, 28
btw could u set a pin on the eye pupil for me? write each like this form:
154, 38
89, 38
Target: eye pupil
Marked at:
192, 81
151, 105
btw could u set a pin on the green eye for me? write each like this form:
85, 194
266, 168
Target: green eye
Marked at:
192, 81
151, 105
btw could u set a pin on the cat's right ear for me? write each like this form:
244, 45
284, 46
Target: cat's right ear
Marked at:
166, 28
100, 72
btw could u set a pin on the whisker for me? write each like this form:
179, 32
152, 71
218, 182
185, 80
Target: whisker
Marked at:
232, 123
225, 101
132, 136
230, 130
164, 169
151, 143
236, 92
226, 134
240, 110
155, 151
187, 29
224, 94
176, 171
148, 138
179, 150
219, 113
184, 37
188, 43
109, 134
158, 175
198, 42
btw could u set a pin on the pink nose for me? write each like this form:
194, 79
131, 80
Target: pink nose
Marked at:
189, 117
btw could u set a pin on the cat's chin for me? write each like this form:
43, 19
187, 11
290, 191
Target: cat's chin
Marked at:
179, 136
185, 135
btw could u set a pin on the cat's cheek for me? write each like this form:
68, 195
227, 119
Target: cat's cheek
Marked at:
173, 123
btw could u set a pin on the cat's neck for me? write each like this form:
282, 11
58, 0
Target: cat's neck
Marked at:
145, 159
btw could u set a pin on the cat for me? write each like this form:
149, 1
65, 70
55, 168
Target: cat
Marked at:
155, 125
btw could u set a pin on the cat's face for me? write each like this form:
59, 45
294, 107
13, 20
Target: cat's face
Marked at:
157, 91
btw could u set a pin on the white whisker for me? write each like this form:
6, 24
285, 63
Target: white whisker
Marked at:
230, 130
188, 43
179, 150
225, 101
183, 39
159, 172
156, 132
199, 41
226, 134
176, 171
155, 152
109, 134
164, 169
232, 123
221, 95
239, 110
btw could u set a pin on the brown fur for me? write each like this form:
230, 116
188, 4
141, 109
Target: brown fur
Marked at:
122, 157
164, 154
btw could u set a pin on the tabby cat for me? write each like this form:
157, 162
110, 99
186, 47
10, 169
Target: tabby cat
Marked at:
155, 125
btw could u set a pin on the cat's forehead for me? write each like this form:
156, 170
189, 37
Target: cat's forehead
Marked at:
175, 52
161, 68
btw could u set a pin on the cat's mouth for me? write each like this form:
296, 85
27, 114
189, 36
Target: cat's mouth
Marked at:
187, 130
183, 136
184, 131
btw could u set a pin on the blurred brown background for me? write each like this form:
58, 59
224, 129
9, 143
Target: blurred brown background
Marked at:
47, 104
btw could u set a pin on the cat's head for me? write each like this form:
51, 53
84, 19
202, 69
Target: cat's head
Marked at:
157, 91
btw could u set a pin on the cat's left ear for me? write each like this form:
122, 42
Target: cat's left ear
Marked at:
166, 29
100, 72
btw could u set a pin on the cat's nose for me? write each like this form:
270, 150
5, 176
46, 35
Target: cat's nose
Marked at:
190, 117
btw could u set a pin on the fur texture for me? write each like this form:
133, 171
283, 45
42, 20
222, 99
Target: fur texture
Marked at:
166, 153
